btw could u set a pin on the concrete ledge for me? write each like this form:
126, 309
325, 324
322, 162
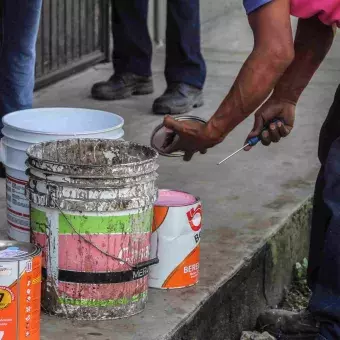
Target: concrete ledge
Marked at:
260, 283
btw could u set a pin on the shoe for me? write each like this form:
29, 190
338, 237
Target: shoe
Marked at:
122, 86
286, 325
2, 171
178, 98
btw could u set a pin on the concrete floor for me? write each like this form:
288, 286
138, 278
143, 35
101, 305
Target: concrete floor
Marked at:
244, 200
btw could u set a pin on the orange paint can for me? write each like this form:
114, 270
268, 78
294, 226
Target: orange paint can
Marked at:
176, 234
20, 291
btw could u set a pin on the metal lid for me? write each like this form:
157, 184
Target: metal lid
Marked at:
12, 250
160, 132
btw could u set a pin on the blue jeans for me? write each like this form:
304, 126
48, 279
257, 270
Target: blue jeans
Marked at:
133, 48
19, 24
324, 258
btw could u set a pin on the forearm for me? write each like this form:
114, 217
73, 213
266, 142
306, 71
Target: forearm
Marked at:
312, 43
272, 54
255, 82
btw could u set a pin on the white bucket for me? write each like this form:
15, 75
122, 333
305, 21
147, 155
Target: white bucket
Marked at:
27, 127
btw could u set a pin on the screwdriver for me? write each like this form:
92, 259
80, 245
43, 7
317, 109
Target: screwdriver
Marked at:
250, 142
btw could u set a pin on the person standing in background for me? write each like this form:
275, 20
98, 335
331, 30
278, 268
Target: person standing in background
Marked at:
19, 25
185, 69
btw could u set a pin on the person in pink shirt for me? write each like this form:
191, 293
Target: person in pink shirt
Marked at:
270, 83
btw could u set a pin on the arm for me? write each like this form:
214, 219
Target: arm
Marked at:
271, 55
312, 43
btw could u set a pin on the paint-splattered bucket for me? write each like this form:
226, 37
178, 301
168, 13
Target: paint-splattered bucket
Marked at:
91, 211
20, 286
176, 240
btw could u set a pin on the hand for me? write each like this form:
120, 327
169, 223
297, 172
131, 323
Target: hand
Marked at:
188, 136
273, 109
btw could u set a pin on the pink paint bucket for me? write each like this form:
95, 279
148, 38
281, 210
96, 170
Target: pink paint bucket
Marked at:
91, 212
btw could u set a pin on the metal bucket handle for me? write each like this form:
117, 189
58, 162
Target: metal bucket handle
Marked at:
51, 197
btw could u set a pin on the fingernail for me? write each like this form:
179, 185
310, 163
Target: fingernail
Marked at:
272, 127
265, 134
279, 124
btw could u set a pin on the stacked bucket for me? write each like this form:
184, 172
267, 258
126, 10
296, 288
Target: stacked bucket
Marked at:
106, 232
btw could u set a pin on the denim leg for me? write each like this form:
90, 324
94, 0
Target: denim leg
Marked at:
132, 50
330, 131
20, 24
184, 61
325, 302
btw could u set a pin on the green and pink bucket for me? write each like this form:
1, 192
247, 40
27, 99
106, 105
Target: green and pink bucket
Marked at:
91, 212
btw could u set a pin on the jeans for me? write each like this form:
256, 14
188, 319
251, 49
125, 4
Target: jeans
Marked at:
324, 258
19, 24
133, 48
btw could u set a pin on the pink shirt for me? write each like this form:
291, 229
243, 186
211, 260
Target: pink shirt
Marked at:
328, 11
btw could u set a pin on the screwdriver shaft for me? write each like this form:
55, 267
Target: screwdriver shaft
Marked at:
234, 153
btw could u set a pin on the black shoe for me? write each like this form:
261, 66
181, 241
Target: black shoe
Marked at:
286, 325
178, 98
122, 86
2, 171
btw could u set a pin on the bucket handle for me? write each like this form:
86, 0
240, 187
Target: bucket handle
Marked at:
52, 190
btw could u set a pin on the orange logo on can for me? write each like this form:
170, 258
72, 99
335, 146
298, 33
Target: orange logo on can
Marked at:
6, 297
195, 218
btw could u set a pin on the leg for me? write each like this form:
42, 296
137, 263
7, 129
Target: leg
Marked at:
185, 69
132, 52
330, 131
20, 23
184, 61
325, 302
132, 44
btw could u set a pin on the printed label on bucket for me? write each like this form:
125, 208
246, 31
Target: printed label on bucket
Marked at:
89, 244
17, 209
176, 239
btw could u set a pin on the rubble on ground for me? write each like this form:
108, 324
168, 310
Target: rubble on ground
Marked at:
295, 300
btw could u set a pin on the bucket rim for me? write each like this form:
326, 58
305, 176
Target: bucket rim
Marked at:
197, 199
15, 113
40, 160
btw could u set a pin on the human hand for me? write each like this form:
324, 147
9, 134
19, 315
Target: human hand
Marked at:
272, 109
188, 136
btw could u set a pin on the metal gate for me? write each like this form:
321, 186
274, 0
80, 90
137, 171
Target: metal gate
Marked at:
74, 34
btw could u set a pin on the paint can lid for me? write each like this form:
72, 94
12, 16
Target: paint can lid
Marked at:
160, 133
12, 250
174, 198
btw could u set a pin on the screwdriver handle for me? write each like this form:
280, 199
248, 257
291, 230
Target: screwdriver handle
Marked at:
254, 140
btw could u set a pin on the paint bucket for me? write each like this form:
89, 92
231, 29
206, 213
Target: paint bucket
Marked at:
160, 133
176, 240
91, 212
20, 288
27, 127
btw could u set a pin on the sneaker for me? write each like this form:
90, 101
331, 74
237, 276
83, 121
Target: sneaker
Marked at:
178, 98
122, 86
286, 325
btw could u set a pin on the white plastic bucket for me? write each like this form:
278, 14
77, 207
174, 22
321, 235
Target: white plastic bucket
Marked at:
27, 127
